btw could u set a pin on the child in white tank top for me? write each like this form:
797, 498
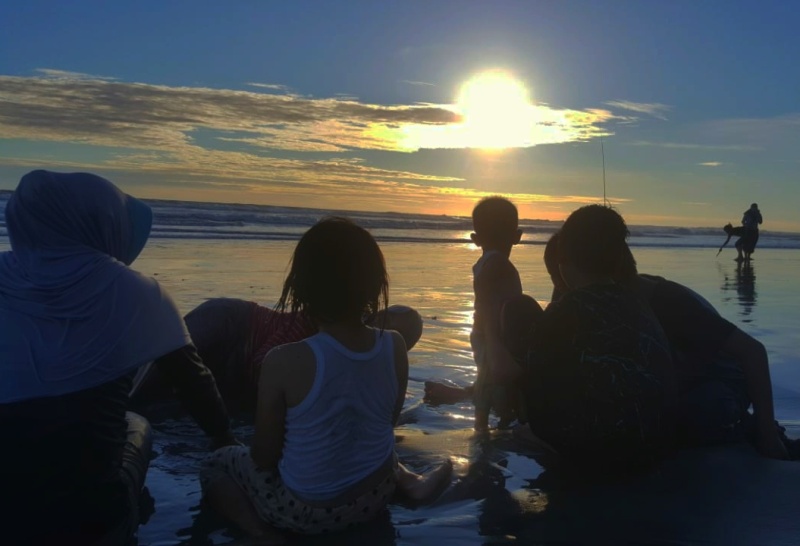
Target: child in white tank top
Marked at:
323, 456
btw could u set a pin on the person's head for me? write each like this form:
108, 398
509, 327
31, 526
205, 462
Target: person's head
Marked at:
754, 206
496, 223
72, 237
70, 213
402, 319
337, 273
591, 245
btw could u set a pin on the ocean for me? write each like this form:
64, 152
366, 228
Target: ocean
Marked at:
217, 221
203, 250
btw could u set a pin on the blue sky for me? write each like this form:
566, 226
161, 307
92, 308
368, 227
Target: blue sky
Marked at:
361, 104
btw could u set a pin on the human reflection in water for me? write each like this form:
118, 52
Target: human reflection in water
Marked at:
743, 281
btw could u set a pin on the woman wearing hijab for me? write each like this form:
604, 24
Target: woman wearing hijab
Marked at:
76, 323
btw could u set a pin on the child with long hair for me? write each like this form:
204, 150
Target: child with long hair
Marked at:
323, 454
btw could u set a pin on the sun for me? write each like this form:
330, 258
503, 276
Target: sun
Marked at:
497, 113
496, 110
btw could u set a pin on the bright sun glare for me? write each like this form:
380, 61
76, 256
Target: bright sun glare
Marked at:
497, 113
497, 110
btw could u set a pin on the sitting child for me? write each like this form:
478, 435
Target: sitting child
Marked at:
323, 454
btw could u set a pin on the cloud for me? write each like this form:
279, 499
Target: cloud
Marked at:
68, 75
422, 84
229, 138
62, 106
711, 164
778, 132
654, 109
694, 146
111, 113
271, 86
336, 183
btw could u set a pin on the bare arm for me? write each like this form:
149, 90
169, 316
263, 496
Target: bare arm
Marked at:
755, 364
270, 422
494, 287
401, 369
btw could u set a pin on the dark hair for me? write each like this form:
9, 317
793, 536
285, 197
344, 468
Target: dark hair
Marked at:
337, 272
593, 240
495, 220
626, 273
551, 258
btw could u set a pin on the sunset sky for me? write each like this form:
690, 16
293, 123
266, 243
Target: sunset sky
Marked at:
417, 106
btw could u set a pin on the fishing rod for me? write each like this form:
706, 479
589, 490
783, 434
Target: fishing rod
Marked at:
603, 155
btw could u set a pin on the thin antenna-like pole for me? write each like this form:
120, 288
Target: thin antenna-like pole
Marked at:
603, 154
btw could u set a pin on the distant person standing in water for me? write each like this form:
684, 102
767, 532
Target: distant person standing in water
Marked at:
746, 244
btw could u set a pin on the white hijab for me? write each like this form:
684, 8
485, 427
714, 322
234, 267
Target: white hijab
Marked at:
72, 314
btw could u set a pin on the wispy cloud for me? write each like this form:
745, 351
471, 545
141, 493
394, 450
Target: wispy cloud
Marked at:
711, 164
271, 86
778, 132
68, 75
696, 146
421, 84
654, 109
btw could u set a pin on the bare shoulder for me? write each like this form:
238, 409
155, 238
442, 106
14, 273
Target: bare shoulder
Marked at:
284, 360
398, 342
291, 368
498, 268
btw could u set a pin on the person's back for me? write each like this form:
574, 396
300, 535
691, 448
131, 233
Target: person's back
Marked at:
75, 324
495, 282
599, 367
720, 371
322, 456
752, 217
746, 244
598, 370
342, 430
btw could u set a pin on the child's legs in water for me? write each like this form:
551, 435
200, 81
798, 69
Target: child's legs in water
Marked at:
482, 390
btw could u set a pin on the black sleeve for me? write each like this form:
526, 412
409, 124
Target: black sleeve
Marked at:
194, 385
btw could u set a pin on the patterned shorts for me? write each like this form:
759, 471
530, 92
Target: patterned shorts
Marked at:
278, 506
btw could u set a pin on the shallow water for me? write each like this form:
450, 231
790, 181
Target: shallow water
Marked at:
436, 279
494, 499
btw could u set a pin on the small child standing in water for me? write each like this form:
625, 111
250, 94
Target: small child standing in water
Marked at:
323, 455
495, 282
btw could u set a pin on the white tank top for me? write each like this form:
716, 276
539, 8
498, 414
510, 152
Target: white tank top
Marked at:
343, 430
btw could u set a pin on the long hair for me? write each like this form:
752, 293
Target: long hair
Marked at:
337, 273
